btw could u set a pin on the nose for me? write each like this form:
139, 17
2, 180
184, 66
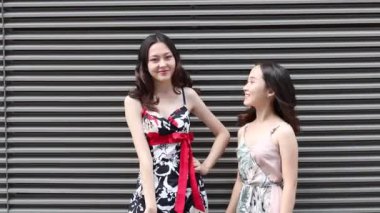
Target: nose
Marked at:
245, 87
162, 63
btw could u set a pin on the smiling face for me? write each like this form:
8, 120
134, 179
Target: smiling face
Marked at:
255, 90
161, 62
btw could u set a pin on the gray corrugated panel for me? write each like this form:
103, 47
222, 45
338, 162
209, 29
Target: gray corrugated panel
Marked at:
178, 2
341, 127
207, 46
86, 78
209, 67
363, 179
85, 149
209, 35
82, 129
339, 107
341, 200
341, 138
77, 119
109, 109
357, 148
68, 201
89, 181
339, 96
66, 85
108, 98
337, 76
74, 160
341, 159
70, 78
73, 180
66, 109
57, 170
340, 170
339, 210
82, 139
338, 86
189, 23
203, 87
73, 68
215, 12
70, 88
65, 210
251, 56
98, 170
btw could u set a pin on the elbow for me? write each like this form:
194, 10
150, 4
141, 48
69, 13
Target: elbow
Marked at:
226, 134
290, 184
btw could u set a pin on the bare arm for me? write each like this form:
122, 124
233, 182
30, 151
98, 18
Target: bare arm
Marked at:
289, 158
222, 135
133, 116
235, 195
237, 188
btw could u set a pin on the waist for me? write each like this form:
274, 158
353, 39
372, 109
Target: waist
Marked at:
175, 137
262, 184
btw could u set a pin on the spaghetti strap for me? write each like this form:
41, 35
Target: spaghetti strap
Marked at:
274, 129
183, 96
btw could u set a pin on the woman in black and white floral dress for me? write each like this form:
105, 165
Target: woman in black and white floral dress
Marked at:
158, 116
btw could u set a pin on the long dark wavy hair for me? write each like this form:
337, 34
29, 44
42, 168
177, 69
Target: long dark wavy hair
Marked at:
277, 79
144, 91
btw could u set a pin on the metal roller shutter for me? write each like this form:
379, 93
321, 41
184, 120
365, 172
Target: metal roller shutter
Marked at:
67, 66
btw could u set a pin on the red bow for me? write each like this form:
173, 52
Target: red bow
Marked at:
186, 167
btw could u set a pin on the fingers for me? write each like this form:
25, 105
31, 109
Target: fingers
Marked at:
197, 165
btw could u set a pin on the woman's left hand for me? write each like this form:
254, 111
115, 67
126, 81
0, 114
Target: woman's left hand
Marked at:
199, 167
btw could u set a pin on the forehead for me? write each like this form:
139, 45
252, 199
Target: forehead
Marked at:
159, 48
256, 72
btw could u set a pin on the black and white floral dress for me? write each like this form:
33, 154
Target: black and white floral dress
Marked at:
166, 163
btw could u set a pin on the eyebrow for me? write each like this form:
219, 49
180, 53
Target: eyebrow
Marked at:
166, 53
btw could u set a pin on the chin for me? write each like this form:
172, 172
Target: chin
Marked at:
246, 103
163, 78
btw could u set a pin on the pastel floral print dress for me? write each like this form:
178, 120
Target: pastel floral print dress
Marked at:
260, 172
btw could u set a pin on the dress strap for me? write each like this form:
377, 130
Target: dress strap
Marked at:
183, 96
274, 129
143, 110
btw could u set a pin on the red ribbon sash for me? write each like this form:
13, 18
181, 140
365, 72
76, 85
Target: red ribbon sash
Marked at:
186, 167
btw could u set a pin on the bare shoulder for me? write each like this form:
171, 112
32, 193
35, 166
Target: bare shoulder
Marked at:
285, 134
192, 98
131, 103
190, 92
240, 133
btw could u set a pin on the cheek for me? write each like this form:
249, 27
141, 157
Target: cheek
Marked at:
172, 63
151, 67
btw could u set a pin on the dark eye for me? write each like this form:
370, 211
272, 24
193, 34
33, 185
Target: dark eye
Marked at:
153, 59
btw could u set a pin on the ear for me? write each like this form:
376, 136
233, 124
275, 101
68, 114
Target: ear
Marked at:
270, 93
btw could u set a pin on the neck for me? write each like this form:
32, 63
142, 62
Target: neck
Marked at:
264, 113
163, 87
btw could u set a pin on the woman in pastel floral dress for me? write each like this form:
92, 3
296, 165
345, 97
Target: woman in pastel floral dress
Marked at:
267, 146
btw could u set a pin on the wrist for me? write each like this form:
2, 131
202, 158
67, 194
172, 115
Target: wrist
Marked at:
151, 207
204, 169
